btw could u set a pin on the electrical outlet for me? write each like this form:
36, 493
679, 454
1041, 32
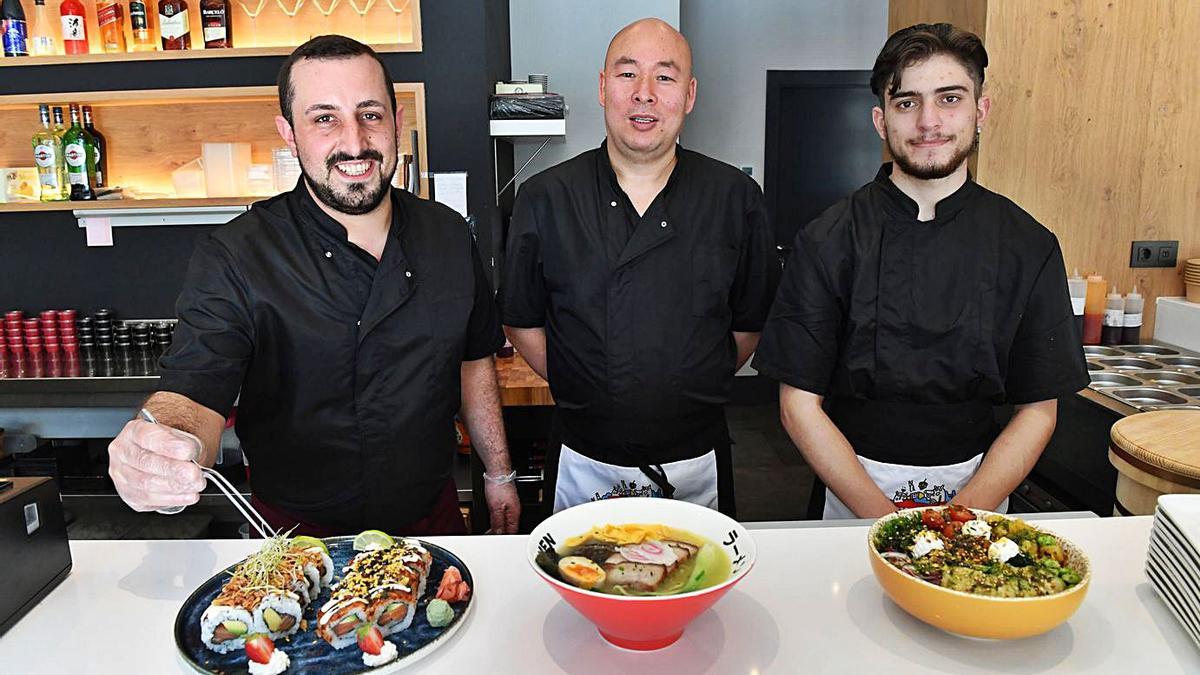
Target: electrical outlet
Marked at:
1154, 254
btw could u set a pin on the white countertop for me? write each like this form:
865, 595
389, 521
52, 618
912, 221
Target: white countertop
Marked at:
810, 604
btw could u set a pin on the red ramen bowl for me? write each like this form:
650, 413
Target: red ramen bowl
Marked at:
643, 622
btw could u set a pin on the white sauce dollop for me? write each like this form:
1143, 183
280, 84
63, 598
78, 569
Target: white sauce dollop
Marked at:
388, 653
1003, 549
278, 663
977, 528
925, 542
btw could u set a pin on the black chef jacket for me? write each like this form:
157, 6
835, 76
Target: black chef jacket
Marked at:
348, 368
638, 309
913, 330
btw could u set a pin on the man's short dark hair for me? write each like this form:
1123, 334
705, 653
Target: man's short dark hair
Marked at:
912, 45
326, 47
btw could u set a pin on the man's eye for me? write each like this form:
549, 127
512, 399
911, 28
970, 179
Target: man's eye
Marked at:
952, 98
666, 78
625, 75
324, 119
375, 117
906, 105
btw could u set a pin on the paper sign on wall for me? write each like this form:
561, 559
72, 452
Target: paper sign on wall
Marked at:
450, 188
99, 231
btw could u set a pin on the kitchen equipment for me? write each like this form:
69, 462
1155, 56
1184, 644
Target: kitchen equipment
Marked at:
189, 179
1177, 323
225, 167
1155, 453
34, 553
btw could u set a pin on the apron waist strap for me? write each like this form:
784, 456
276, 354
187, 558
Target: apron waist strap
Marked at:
634, 443
915, 434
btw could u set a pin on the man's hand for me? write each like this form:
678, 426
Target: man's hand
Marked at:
152, 466
504, 506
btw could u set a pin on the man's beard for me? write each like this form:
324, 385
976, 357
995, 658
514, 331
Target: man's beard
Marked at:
931, 171
362, 197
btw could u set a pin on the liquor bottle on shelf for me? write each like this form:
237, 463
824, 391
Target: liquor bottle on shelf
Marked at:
14, 29
101, 147
59, 128
79, 148
173, 24
139, 27
42, 34
217, 24
110, 15
51, 164
74, 27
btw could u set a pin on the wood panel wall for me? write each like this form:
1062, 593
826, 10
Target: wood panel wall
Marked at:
1095, 128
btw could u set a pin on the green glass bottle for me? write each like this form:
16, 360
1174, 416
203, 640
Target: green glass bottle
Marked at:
48, 155
79, 148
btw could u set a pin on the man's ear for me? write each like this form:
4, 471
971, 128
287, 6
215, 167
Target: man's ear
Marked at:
285, 132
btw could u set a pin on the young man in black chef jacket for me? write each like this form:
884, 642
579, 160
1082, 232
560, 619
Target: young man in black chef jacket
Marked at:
354, 319
636, 280
913, 307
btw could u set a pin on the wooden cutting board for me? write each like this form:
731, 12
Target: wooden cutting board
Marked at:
1155, 453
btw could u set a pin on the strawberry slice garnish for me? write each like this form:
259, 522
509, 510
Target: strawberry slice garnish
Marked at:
259, 647
370, 640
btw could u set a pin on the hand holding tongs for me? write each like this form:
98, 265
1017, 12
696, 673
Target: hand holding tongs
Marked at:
248, 512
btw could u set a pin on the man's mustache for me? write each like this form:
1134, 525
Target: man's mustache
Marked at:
339, 157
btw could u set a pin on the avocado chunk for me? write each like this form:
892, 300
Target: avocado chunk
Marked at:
272, 618
235, 627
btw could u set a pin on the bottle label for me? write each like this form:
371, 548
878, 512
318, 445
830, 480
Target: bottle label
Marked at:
43, 155
110, 13
99, 171
73, 28
173, 26
1114, 317
137, 15
1133, 320
49, 180
1077, 305
76, 156
15, 38
214, 34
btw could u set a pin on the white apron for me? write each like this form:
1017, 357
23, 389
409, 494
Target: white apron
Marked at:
911, 486
582, 479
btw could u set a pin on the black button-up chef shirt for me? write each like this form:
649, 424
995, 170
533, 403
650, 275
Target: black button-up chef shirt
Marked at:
348, 368
915, 329
638, 310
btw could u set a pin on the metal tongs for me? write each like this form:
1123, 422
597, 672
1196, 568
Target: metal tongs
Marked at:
240, 503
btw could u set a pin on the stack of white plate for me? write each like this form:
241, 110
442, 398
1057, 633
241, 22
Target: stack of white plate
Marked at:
1173, 561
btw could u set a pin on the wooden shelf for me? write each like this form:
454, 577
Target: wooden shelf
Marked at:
150, 133
271, 34
100, 204
182, 55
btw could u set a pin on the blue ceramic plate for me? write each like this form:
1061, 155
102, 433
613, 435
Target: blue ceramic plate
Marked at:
309, 653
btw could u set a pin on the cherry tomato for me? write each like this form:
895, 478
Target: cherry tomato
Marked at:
933, 519
960, 513
952, 529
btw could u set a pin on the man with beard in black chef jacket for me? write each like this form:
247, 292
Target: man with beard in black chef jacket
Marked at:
355, 320
637, 278
914, 306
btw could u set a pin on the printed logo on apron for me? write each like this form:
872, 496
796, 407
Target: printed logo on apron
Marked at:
911, 486
582, 479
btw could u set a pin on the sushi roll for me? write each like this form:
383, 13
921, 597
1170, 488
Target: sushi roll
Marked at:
380, 586
223, 628
278, 614
339, 618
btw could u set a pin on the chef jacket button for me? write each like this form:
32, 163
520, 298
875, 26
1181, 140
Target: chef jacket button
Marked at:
663, 224
612, 203
408, 273
358, 323
328, 254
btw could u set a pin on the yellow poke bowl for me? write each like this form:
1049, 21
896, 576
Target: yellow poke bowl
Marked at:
972, 614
